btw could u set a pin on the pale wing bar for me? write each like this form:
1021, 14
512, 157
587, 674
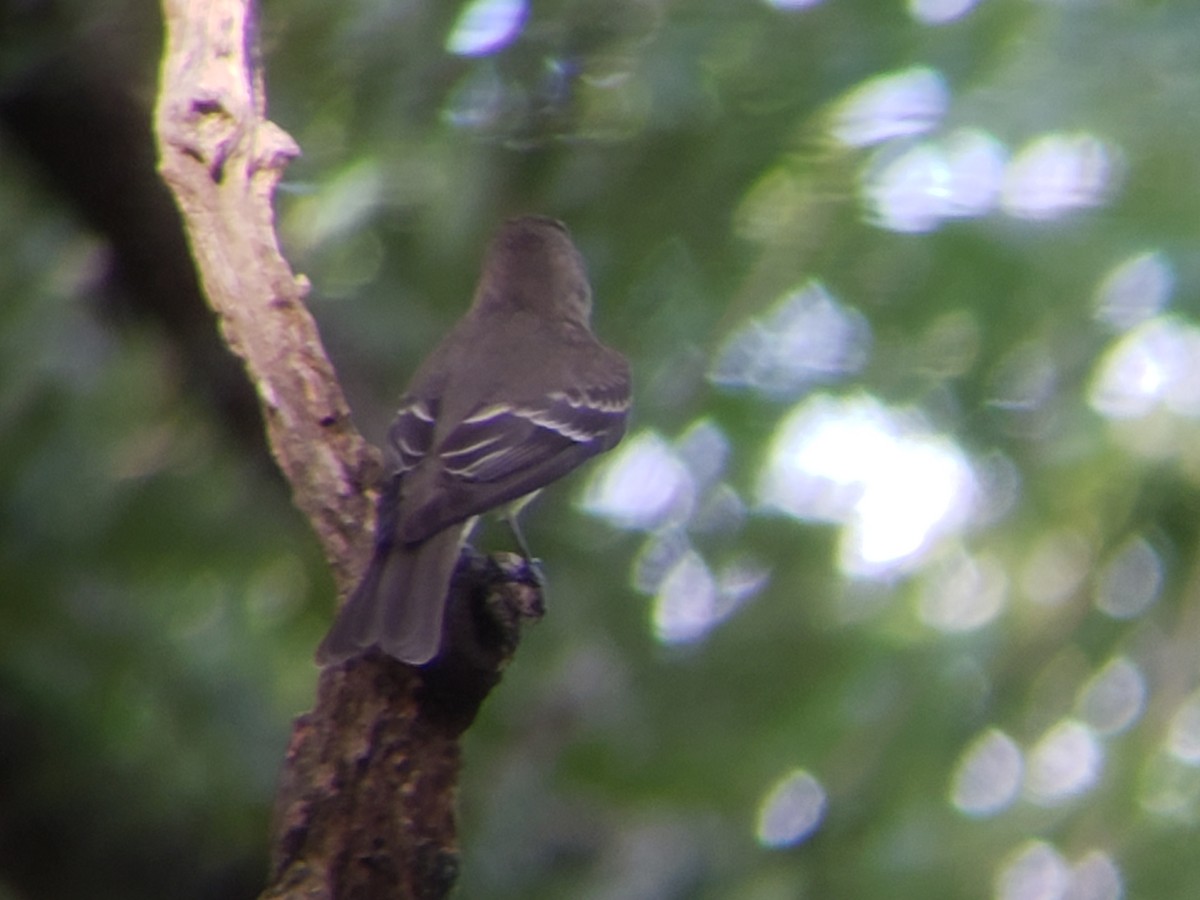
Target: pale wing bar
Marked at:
412, 433
501, 439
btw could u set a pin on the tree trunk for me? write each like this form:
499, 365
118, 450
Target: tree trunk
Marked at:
366, 806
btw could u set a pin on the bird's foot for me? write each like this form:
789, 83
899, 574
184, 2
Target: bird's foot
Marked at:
532, 572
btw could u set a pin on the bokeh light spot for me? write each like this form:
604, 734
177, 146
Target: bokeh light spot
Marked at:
704, 450
1130, 581
805, 339
907, 192
915, 189
1137, 289
1066, 762
976, 162
640, 486
1057, 174
1096, 877
686, 607
893, 484
897, 104
658, 556
486, 26
689, 598
988, 775
939, 12
1154, 365
791, 811
1034, 871
1183, 735
1114, 697
963, 593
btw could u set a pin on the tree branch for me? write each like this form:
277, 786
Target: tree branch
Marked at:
223, 159
366, 803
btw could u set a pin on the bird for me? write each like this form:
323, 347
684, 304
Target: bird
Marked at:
516, 395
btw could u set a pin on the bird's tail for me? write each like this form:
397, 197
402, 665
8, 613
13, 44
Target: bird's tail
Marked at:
400, 603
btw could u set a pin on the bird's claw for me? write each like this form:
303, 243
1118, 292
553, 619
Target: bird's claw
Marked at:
534, 572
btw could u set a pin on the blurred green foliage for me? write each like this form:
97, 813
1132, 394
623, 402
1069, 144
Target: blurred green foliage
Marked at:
162, 599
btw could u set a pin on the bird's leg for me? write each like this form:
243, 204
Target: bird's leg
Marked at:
534, 564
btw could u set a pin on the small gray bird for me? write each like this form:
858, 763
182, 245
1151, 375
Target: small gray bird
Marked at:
518, 394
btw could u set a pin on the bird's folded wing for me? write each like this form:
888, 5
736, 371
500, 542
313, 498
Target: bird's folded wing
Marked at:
503, 451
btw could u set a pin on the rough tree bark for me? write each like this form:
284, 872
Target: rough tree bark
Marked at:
366, 803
